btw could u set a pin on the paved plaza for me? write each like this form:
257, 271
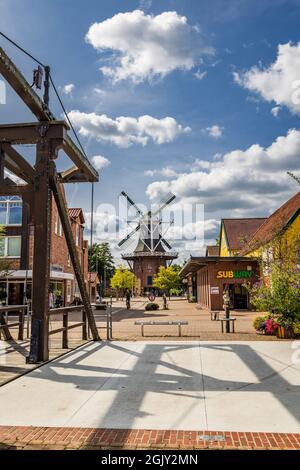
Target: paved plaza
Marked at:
163, 391
172, 386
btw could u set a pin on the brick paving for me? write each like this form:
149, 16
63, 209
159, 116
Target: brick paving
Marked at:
39, 438
200, 326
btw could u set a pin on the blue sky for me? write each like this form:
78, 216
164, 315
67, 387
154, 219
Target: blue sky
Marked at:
199, 73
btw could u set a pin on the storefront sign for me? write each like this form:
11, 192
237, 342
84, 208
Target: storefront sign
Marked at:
215, 290
234, 274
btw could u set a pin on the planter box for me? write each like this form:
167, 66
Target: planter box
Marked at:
285, 333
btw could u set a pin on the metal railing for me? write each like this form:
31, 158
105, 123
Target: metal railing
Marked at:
108, 317
24, 317
4, 321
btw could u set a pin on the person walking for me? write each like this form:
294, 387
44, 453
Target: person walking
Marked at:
127, 296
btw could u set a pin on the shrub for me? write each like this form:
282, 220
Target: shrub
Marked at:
152, 306
258, 322
296, 327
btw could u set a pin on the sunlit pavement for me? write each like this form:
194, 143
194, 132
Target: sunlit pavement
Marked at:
208, 386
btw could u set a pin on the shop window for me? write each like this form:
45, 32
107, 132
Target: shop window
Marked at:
10, 211
10, 247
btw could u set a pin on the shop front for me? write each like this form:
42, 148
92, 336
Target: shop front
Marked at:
215, 275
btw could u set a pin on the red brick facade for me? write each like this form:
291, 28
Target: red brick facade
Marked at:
61, 272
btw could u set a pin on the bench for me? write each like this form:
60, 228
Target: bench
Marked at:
158, 323
231, 321
215, 315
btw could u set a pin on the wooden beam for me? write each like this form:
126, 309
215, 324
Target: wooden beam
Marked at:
20, 85
65, 221
72, 175
32, 132
17, 164
14, 189
80, 160
39, 348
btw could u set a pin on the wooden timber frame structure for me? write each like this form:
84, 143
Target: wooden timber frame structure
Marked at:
42, 182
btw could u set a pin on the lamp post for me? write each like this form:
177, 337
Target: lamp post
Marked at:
226, 300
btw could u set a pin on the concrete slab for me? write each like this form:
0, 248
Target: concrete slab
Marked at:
191, 385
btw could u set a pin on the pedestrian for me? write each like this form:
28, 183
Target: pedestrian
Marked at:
127, 296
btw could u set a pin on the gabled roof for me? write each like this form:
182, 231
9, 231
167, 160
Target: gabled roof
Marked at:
212, 250
277, 222
74, 213
240, 231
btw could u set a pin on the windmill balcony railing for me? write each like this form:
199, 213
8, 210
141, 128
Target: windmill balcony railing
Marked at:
168, 254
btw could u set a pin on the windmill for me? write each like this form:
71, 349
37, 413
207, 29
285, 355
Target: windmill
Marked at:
152, 250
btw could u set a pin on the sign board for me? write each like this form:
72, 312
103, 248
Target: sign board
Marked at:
234, 274
215, 290
151, 297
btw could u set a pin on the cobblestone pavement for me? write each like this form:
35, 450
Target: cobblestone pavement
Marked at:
37, 438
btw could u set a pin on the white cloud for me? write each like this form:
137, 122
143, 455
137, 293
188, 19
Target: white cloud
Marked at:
199, 75
124, 130
167, 172
147, 46
68, 89
100, 162
240, 180
280, 82
275, 111
214, 131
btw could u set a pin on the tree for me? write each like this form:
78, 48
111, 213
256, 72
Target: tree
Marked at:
168, 279
121, 280
101, 261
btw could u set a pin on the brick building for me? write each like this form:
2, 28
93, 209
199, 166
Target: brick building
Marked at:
234, 261
16, 247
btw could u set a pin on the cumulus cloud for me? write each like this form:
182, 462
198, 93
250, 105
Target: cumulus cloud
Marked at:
214, 131
167, 172
280, 82
275, 111
100, 162
146, 46
239, 180
68, 89
199, 75
125, 130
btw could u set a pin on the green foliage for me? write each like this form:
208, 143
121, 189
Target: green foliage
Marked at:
258, 321
151, 306
101, 260
167, 278
122, 279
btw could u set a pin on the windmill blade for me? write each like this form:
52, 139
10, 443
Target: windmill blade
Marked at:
130, 201
129, 235
170, 198
164, 241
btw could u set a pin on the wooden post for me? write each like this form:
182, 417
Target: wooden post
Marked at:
6, 333
65, 332
21, 325
84, 326
39, 347
61, 207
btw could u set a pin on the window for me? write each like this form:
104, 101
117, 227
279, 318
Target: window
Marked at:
77, 234
10, 247
149, 280
58, 227
10, 210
